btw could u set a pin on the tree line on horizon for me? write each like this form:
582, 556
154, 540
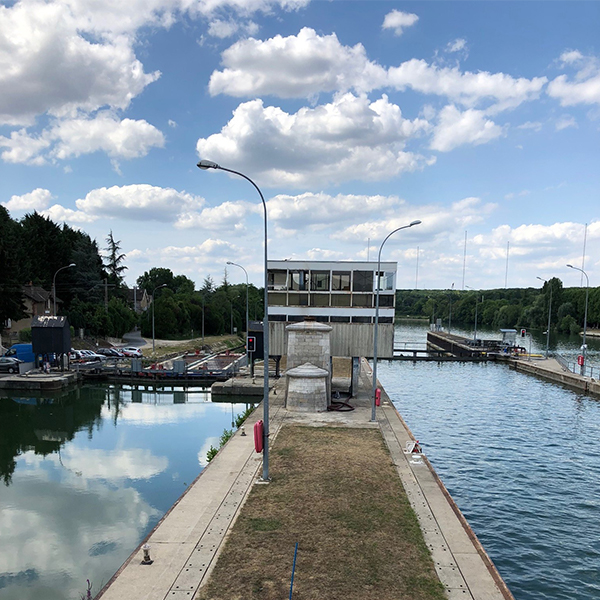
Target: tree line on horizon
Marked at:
93, 294
505, 308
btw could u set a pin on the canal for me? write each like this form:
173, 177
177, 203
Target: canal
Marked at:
85, 475
521, 458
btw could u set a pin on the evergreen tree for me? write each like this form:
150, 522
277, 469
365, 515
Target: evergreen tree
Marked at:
114, 260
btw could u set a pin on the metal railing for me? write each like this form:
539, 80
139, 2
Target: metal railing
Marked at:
588, 371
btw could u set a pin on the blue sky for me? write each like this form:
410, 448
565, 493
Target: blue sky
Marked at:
353, 117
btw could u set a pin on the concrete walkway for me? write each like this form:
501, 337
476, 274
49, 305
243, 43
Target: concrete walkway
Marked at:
186, 543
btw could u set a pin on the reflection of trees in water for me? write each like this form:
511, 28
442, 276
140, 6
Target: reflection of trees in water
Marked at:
43, 424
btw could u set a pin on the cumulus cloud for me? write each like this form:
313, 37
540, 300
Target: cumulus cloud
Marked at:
295, 66
320, 211
399, 21
437, 221
227, 216
456, 128
468, 89
564, 122
38, 200
349, 138
47, 65
141, 202
584, 88
457, 45
21, 147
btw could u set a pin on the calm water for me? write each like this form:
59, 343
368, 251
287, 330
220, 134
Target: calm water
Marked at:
521, 458
87, 474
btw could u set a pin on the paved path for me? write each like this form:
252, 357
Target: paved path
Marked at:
186, 543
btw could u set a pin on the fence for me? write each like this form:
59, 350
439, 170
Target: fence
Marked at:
593, 372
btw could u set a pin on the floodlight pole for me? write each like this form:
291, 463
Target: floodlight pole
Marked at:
207, 164
549, 316
377, 282
587, 288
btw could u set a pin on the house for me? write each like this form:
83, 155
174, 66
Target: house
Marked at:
138, 299
38, 302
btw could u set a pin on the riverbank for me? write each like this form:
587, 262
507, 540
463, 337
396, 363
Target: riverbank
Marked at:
187, 543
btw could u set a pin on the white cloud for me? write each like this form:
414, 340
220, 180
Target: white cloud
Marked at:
38, 199
47, 65
466, 88
585, 88
535, 125
141, 202
222, 28
457, 45
60, 214
227, 216
564, 122
456, 128
320, 211
295, 66
349, 138
118, 138
398, 21
24, 148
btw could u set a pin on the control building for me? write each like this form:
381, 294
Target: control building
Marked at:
339, 293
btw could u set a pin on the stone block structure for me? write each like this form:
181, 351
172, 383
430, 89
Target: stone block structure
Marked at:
306, 389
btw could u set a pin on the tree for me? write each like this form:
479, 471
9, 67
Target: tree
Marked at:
114, 261
11, 296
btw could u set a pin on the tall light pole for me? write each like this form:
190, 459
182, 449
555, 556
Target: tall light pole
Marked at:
375, 331
207, 164
247, 321
587, 288
476, 306
54, 287
153, 291
450, 310
549, 315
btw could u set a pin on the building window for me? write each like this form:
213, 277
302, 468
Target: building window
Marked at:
277, 299
299, 280
340, 299
339, 320
361, 319
319, 299
340, 281
277, 280
386, 281
363, 300
319, 281
297, 299
321, 319
277, 318
386, 300
386, 319
362, 281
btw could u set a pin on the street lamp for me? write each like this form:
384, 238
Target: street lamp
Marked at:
153, 291
377, 285
204, 165
54, 287
247, 322
587, 287
549, 315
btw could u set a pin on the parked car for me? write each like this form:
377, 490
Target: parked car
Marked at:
88, 356
8, 364
131, 351
110, 352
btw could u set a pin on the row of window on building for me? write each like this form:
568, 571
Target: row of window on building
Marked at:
329, 281
354, 300
329, 319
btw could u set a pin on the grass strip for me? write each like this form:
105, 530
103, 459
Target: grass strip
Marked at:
336, 492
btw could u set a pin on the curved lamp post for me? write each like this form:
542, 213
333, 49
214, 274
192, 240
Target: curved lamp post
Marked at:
54, 287
549, 315
587, 287
154, 290
204, 165
246, 272
377, 284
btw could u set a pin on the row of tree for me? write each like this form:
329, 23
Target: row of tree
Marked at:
506, 308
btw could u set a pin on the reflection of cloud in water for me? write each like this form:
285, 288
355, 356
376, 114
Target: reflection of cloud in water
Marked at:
62, 536
155, 414
90, 463
212, 441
